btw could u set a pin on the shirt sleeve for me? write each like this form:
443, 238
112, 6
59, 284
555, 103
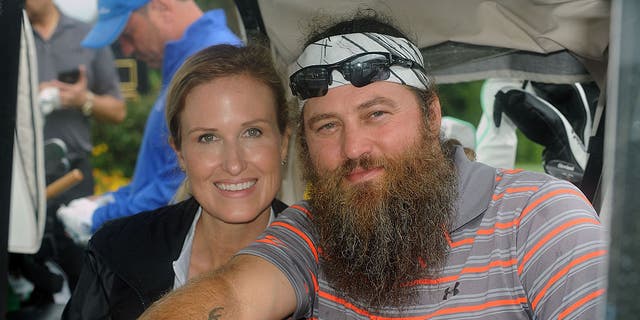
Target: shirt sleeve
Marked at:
562, 254
90, 299
290, 244
104, 72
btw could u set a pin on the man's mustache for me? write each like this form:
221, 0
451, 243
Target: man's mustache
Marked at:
365, 162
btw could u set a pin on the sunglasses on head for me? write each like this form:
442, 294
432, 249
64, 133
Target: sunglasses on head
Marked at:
360, 70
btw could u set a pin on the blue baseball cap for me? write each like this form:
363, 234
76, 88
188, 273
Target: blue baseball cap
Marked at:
112, 18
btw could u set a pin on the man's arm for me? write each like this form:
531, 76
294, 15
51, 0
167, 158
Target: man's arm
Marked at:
109, 104
108, 108
248, 287
104, 107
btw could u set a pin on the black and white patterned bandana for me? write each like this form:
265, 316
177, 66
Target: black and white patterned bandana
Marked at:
337, 48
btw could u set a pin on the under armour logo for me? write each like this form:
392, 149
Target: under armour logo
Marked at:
454, 291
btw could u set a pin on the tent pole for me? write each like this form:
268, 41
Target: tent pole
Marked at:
622, 160
10, 24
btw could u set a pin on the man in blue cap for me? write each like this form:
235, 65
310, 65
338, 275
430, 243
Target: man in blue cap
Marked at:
162, 33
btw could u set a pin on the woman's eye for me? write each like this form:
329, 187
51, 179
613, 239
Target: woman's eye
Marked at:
253, 132
207, 138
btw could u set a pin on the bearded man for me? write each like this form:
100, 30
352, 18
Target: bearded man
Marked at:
400, 224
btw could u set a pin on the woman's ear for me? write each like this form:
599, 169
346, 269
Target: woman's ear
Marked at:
178, 152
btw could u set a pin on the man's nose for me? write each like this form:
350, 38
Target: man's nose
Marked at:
356, 142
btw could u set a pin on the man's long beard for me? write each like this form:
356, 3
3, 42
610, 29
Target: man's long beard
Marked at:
377, 236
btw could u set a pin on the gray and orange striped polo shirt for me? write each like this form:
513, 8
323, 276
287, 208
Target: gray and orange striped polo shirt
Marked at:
523, 246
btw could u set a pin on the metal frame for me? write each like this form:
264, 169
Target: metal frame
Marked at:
10, 24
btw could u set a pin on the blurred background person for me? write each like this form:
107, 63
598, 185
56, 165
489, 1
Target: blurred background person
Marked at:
227, 115
162, 33
76, 85
84, 80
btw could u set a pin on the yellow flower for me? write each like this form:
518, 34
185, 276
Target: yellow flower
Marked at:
99, 149
108, 181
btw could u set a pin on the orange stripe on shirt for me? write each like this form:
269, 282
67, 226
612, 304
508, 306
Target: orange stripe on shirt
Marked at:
550, 236
514, 190
511, 171
430, 281
546, 196
564, 271
303, 209
474, 308
445, 311
269, 239
477, 269
580, 303
301, 234
492, 264
316, 286
462, 242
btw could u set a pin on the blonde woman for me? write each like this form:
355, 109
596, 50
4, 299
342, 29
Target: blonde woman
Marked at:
227, 118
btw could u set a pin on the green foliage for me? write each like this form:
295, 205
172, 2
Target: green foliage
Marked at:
462, 101
116, 146
528, 154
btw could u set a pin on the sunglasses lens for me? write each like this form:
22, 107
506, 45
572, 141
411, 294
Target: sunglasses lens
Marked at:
360, 70
365, 69
310, 82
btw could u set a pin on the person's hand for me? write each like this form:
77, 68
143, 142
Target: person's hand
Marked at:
77, 219
49, 98
73, 95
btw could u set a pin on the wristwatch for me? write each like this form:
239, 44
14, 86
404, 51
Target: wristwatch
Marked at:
87, 107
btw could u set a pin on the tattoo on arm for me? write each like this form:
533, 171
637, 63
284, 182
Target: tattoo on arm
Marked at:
216, 313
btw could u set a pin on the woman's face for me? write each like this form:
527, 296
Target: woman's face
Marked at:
231, 148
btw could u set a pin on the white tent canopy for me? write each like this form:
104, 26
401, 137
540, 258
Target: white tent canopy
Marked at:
516, 31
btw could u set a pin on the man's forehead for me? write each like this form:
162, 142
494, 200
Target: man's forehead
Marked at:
348, 98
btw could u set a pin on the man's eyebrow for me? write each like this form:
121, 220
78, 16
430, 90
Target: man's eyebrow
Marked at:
319, 117
365, 105
376, 101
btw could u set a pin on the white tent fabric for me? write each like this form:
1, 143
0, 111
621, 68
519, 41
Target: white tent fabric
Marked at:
543, 26
28, 204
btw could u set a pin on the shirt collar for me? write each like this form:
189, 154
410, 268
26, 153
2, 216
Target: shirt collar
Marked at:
64, 22
476, 182
181, 265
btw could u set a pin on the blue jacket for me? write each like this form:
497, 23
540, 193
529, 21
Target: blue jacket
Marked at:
157, 174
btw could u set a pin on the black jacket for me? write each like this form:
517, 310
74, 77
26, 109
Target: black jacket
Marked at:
116, 283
